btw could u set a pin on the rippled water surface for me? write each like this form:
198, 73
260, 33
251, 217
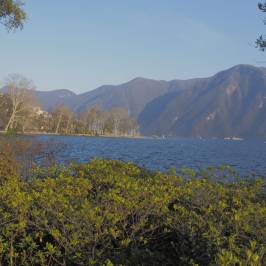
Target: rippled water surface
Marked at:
161, 154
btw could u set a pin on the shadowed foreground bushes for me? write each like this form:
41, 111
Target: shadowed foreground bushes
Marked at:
114, 213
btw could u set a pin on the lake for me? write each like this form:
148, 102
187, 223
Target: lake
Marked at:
247, 157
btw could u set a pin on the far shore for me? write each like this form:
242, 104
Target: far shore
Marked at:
75, 135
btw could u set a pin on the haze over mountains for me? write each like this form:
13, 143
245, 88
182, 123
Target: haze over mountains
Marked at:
230, 103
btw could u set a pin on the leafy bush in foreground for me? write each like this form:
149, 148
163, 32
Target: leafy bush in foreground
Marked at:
114, 213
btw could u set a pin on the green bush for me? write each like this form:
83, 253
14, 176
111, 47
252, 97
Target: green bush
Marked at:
113, 213
11, 132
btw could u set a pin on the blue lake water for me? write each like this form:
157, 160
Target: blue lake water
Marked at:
160, 154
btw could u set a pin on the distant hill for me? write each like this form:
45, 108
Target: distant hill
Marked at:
50, 99
230, 103
133, 95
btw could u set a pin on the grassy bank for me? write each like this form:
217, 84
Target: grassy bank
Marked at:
4, 133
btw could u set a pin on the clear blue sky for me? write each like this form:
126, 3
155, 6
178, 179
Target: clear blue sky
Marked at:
82, 44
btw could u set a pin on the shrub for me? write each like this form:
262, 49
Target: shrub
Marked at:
112, 213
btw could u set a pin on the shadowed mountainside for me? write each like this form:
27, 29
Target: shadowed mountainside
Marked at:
231, 103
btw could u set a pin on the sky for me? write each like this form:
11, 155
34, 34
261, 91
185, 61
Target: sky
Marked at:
83, 44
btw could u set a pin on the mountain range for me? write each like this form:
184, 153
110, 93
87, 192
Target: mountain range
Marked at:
231, 103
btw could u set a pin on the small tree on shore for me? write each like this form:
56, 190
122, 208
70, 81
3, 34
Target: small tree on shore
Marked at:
62, 118
20, 92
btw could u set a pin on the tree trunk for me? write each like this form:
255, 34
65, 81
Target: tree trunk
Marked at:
10, 122
58, 124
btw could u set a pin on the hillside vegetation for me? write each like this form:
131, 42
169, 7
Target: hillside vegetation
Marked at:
114, 213
20, 112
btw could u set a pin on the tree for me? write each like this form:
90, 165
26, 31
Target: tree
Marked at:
117, 116
261, 41
12, 15
22, 103
62, 119
129, 126
92, 120
5, 104
121, 123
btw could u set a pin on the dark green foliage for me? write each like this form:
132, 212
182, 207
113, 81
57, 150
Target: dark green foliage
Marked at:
261, 42
114, 213
11, 14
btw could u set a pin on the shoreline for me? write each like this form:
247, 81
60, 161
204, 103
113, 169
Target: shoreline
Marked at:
3, 133
235, 139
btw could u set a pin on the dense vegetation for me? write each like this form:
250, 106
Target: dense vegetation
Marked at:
115, 213
20, 112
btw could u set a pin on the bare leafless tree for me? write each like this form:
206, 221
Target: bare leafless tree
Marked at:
22, 101
63, 118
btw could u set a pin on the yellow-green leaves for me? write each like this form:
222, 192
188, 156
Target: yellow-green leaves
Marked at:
114, 213
11, 14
